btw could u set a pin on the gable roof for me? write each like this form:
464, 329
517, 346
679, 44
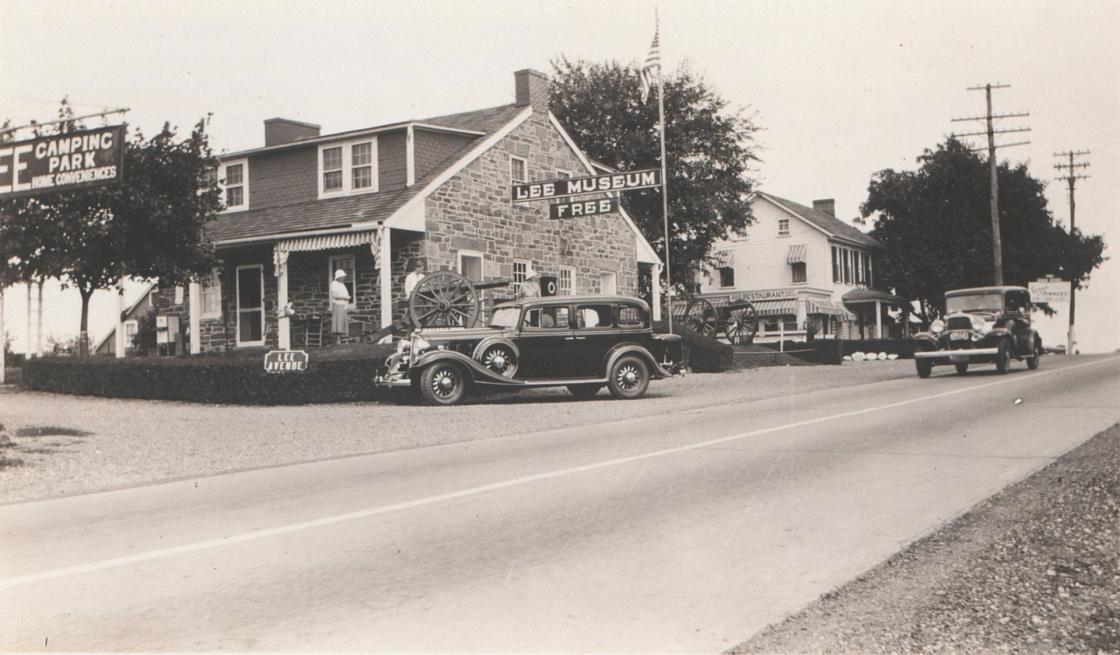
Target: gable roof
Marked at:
128, 312
341, 213
827, 223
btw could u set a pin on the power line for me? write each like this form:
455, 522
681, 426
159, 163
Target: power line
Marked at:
991, 132
107, 112
1071, 178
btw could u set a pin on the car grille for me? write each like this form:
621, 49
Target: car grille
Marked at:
959, 323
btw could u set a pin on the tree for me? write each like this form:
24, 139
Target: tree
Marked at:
935, 226
709, 150
148, 226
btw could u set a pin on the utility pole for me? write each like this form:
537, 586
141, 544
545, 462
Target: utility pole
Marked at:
991, 132
1071, 178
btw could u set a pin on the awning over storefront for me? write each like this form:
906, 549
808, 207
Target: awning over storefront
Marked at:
873, 295
322, 242
796, 254
827, 307
724, 258
775, 307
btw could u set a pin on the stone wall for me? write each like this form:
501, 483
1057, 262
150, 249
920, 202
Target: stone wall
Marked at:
472, 211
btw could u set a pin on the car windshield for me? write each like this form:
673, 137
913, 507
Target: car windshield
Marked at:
505, 317
992, 301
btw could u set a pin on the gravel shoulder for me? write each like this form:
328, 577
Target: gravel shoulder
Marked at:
1033, 569
101, 443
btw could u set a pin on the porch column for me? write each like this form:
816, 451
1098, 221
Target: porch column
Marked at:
3, 334
284, 331
878, 320
28, 352
385, 274
120, 345
655, 278
39, 320
194, 307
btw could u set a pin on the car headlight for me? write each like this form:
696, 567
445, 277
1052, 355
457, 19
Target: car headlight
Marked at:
980, 325
937, 327
419, 344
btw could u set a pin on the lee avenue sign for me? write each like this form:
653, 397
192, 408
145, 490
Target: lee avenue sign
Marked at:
62, 161
285, 361
574, 186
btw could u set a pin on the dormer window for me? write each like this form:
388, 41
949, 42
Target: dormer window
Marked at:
233, 179
347, 168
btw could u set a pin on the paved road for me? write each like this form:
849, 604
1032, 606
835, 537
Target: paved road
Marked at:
685, 532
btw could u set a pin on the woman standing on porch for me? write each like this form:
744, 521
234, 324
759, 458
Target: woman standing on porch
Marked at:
340, 301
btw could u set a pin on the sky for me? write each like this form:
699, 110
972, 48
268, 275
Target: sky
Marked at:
840, 89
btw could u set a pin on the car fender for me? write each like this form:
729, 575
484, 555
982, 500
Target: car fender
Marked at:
926, 338
656, 371
490, 341
476, 370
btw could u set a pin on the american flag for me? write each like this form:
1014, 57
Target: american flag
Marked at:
651, 69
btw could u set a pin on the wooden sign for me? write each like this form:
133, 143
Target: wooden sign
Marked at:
574, 186
583, 208
62, 161
285, 361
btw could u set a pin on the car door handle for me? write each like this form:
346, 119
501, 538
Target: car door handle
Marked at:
575, 338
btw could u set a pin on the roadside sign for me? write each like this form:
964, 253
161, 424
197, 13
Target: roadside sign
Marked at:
574, 186
62, 162
285, 361
583, 208
1050, 291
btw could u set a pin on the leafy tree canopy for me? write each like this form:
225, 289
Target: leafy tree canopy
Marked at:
709, 150
935, 226
148, 226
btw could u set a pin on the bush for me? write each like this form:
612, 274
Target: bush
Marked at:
701, 354
339, 374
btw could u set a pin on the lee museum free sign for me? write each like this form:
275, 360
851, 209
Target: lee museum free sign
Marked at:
62, 161
574, 186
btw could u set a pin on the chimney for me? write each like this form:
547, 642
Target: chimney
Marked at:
531, 88
828, 206
278, 131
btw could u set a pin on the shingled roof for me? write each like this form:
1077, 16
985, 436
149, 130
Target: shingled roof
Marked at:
827, 223
342, 212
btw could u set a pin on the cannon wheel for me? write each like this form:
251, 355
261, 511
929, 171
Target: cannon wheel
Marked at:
701, 316
444, 299
742, 324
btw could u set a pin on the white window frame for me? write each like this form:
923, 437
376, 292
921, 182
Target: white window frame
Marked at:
472, 253
213, 285
517, 283
332, 267
237, 307
560, 280
719, 276
178, 294
783, 227
525, 164
131, 328
244, 163
348, 168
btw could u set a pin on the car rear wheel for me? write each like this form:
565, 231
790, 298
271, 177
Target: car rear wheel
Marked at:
443, 383
962, 368
1032, 361
1003, 357
629, 378
583, 391
925, 367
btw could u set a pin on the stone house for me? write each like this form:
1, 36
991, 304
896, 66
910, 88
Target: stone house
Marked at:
367, 201
805, 271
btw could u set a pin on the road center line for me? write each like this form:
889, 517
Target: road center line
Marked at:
253, 535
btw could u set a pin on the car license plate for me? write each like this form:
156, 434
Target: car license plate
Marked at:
959, 335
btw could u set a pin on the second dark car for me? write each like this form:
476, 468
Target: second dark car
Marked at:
581, 342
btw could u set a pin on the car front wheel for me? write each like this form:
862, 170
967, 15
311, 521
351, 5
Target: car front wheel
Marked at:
1003, 357
1032, 361
629, 378
443, 383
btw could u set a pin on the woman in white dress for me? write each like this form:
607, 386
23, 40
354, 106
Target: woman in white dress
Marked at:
340, 303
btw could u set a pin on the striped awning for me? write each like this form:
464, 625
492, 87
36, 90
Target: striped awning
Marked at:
319, 242
775, 307
724, 258
827, 307
796, 254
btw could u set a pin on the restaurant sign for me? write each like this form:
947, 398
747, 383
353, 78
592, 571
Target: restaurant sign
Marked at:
285, 361
769, 294
583, 208
574, 186
1050, 291
62, 162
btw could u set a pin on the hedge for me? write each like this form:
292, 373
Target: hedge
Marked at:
336, 374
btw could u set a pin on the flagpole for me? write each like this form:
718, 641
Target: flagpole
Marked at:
665, 196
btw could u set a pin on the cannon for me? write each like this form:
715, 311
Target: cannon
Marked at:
441, 299
736, 319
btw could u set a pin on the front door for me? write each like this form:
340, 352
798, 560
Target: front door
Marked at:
250, 305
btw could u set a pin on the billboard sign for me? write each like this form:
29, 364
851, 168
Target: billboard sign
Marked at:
62, 162
574, 186
1049, 291
583, 208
